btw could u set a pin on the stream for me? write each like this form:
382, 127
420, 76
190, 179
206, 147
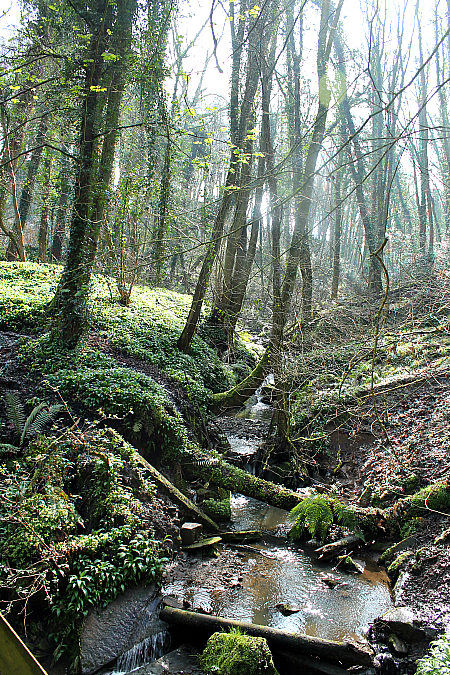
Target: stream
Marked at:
288, 573
280, 584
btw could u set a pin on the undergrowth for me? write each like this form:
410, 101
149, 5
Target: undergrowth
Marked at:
71, 525
437, 662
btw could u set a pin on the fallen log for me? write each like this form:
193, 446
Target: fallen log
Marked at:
203, 543
344, 653
337, 547
236, 397
232, 478
178, 497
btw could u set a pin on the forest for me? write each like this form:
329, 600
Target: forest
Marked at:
224, 337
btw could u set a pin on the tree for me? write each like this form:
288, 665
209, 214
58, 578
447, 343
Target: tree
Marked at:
106, 69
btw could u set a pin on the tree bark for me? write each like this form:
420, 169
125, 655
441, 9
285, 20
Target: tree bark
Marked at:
45, 207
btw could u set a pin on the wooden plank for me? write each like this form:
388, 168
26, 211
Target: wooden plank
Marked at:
177, 496
15, 657
343, 653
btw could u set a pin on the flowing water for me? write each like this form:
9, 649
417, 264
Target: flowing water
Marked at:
280, 572
141, 654
288, 573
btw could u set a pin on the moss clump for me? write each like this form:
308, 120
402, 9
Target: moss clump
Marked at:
435, 496
399, 564
217, 510
235, 653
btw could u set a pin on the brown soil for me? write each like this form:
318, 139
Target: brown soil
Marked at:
363, 461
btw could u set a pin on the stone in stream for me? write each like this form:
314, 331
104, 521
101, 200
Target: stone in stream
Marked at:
190, 533
397, 646
403, 622
181, 660
287, 610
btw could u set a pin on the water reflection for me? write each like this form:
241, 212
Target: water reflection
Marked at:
289, 574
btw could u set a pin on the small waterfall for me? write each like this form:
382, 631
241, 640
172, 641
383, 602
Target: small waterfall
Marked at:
142, 653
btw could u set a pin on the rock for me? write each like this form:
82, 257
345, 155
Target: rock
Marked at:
403, 622
331, 582
387, 665
349, 564
398, 646
190, 533
181, 660
400, 586
400, 564
381, 546
287, 610
110, 632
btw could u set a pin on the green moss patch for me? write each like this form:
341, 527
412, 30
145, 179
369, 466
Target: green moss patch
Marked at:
234, 653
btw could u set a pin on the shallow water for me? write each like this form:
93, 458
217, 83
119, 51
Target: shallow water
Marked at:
288, 573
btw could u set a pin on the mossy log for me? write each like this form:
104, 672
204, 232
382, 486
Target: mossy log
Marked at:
178, 497
232, 478
345, 653
433, 497
236, 397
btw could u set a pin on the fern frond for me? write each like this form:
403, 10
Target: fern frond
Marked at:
314, 514
38, 418
30, 420
344, 515
15, 412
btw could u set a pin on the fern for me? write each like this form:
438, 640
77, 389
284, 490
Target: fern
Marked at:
27, 427
8, 449
15, 412
38, 418
316, 513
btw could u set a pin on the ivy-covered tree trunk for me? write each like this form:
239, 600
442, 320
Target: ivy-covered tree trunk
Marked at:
69, 304
92, 181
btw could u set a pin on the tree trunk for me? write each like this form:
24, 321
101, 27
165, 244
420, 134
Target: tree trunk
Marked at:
45, 207
69, 304
346, 653
337, 233
60, 225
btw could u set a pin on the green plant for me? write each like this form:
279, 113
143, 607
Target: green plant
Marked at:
437, 662
28, 427
235, 653
316, 513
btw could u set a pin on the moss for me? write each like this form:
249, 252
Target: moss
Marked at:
217, 510
234, 653
399, 564
435, 496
